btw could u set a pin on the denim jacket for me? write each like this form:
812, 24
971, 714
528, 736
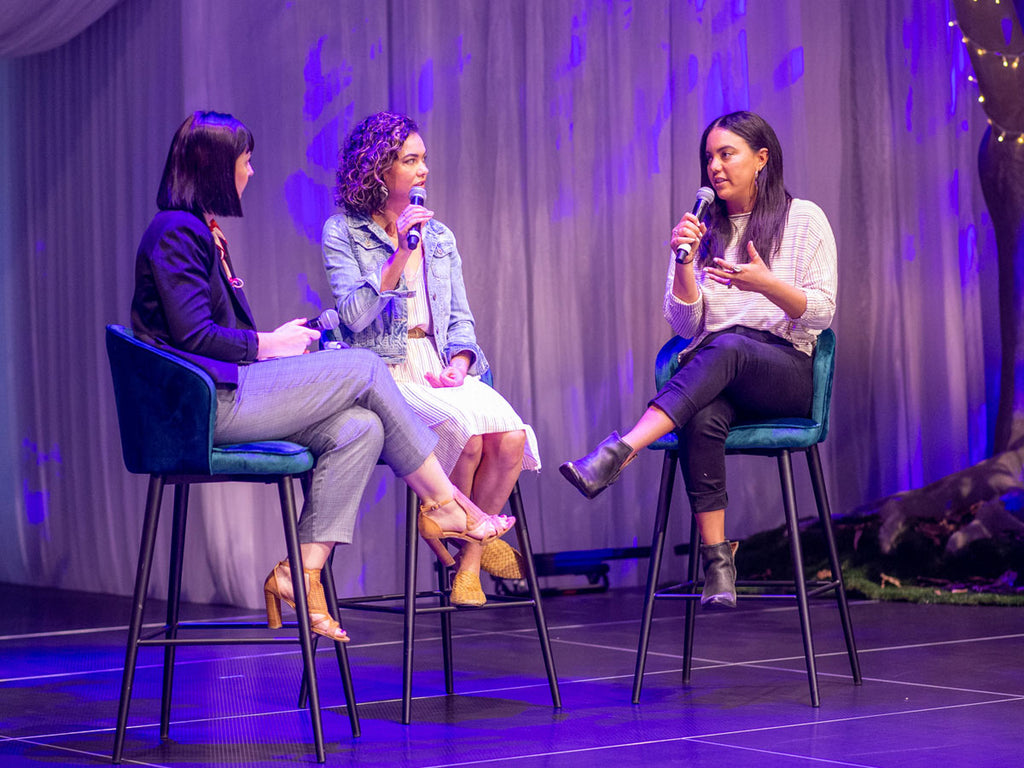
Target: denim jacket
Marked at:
355, 248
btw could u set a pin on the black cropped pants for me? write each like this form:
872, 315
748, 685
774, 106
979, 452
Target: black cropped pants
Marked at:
734, 376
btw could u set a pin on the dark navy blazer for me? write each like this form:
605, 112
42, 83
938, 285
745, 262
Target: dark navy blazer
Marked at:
183, 301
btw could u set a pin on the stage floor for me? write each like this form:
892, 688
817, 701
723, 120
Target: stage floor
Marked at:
943, 686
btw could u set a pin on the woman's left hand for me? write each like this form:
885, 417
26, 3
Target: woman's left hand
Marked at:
752, 276
452, 376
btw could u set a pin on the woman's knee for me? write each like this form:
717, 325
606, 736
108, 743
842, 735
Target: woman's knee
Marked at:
357, 428
366, 422
506, 447
473, 449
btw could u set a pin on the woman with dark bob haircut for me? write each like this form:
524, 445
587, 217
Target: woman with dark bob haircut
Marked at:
756, 288
342, 404
406, 301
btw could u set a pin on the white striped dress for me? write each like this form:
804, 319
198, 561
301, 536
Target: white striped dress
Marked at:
454, 413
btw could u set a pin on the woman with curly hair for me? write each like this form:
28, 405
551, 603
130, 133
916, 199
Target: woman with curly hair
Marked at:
404, 298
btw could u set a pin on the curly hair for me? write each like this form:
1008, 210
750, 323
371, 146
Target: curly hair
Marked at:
369, 151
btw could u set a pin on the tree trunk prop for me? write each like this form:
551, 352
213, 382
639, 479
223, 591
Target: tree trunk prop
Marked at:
995, 43
975, 518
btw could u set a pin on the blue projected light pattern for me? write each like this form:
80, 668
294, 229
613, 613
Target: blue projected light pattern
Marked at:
310, 198
38, 465
722, 75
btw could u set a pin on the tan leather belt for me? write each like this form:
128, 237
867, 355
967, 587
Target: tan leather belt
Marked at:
417, 333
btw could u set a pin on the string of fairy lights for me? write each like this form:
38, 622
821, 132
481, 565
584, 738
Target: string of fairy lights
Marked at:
1010, 61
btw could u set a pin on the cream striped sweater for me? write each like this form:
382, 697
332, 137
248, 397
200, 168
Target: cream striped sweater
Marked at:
806, 259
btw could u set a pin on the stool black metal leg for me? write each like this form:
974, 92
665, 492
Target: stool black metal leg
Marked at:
330, 591
173, 602
825, 516
304, 684
411, 536
792, 522
690, 620
149, 526
304, 482
668, 474
515, 501
444, 585
291, 537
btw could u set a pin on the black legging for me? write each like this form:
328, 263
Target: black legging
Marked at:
733, 376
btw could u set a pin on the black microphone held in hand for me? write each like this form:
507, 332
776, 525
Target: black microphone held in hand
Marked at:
325, 321
705, 197
417, 196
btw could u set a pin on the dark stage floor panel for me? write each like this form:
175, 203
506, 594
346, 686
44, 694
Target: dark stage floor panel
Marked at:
943, 688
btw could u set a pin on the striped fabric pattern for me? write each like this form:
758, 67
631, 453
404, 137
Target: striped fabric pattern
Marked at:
454, 413
806, 259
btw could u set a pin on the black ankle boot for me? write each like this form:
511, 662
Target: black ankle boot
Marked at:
599, 468
719, 575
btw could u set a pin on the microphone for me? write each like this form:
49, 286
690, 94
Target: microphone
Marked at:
705, 197
325, 321
417, 196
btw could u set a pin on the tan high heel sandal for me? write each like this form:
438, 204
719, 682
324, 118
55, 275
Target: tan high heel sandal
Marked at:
434, 535
278, 587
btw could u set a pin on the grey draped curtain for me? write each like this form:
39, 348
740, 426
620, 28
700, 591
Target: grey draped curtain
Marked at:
34, 26
562, 141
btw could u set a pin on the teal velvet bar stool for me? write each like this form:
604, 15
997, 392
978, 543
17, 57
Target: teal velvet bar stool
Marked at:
779, 438
166, 410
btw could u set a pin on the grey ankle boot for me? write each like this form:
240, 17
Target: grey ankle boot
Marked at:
599, 468
719, 575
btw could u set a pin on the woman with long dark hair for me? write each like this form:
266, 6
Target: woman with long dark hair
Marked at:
759, 287
408, 304
342, 404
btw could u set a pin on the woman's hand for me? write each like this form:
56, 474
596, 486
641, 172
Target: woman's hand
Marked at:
450, 377
453, 375
690, 231
391, 270
407, 219
752, 276
290, 339
755, 276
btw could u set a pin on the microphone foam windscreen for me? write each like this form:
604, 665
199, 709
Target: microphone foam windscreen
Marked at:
329, 319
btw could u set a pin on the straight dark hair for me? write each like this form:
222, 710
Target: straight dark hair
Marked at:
771, 203
199, 175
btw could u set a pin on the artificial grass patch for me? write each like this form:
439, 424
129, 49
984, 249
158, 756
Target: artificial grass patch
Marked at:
859, 585
917, 569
